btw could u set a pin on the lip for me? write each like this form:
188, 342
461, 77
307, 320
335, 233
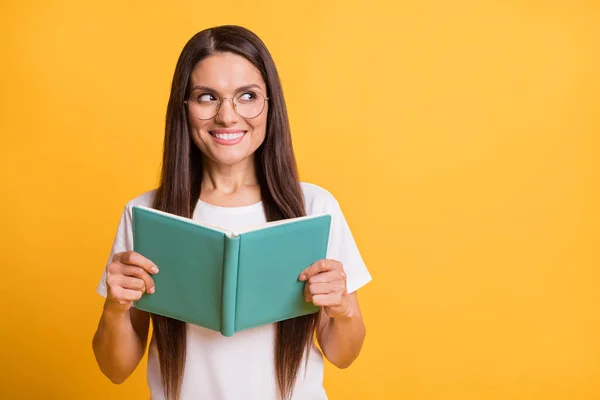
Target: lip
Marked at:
227, 131
226, 142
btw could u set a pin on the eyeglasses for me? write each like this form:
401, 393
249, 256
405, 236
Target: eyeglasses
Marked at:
246, 104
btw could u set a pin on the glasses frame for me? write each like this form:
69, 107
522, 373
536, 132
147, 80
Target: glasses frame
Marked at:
222, 99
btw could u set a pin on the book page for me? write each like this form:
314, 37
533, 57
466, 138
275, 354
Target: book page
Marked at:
188, 220
275, 223
232, 234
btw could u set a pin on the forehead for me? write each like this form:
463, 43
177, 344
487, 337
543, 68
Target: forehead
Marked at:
225, 72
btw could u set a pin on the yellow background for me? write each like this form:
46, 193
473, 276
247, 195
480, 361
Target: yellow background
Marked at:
460, 137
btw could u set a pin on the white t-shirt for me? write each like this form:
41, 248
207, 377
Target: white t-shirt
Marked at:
243, 366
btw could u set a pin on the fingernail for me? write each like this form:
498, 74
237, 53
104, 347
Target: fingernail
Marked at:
302, 277
154, 270
152, 290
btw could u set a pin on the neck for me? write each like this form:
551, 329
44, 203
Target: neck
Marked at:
228, 179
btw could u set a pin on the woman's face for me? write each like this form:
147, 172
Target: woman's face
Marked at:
227, 138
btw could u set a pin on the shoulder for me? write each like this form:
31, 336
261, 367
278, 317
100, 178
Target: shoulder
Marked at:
341, 246
144, 199
317, 199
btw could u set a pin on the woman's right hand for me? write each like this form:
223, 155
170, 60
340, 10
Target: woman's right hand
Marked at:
128, 277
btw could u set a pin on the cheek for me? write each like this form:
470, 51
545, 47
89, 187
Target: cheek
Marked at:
198, 129
259, 128
196, 126
260, 132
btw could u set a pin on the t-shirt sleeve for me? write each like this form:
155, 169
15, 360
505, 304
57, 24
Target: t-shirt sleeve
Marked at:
343, 248
123, 241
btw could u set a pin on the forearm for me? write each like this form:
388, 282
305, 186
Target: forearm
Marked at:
342, 339
117, 346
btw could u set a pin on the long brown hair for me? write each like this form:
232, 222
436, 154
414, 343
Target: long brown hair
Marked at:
179, 191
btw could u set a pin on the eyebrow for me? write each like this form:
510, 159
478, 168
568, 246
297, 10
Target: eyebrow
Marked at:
241, 88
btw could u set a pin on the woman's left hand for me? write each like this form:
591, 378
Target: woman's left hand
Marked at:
326, 287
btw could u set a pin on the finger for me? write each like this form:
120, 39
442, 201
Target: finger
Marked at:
313, 289
318, 267
125, 295
127, 282
133, 258
132, 295
139, 273
328, 276
318, 289
327, 300
321, 288
115, 283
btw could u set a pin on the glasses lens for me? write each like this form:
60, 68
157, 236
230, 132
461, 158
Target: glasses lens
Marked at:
249, 104
203, 106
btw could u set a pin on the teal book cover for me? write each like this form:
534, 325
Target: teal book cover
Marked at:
228, 281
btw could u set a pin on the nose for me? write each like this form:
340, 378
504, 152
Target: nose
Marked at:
226, 114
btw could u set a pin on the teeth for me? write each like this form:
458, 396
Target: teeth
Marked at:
229, 136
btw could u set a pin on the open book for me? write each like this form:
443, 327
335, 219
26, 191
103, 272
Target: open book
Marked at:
228, 281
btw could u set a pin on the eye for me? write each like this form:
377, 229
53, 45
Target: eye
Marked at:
246, 97
205, 98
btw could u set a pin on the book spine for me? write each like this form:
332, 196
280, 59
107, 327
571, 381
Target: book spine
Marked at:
134, 222
229, 291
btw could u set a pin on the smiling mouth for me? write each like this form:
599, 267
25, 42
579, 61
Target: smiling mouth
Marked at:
227, 136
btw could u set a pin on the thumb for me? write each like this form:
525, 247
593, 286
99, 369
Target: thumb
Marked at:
303, 275
315, 268
307, 273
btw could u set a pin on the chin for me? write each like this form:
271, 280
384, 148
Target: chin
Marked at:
227, 155
233, 158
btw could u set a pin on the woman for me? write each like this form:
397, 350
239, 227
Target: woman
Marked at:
228, 161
